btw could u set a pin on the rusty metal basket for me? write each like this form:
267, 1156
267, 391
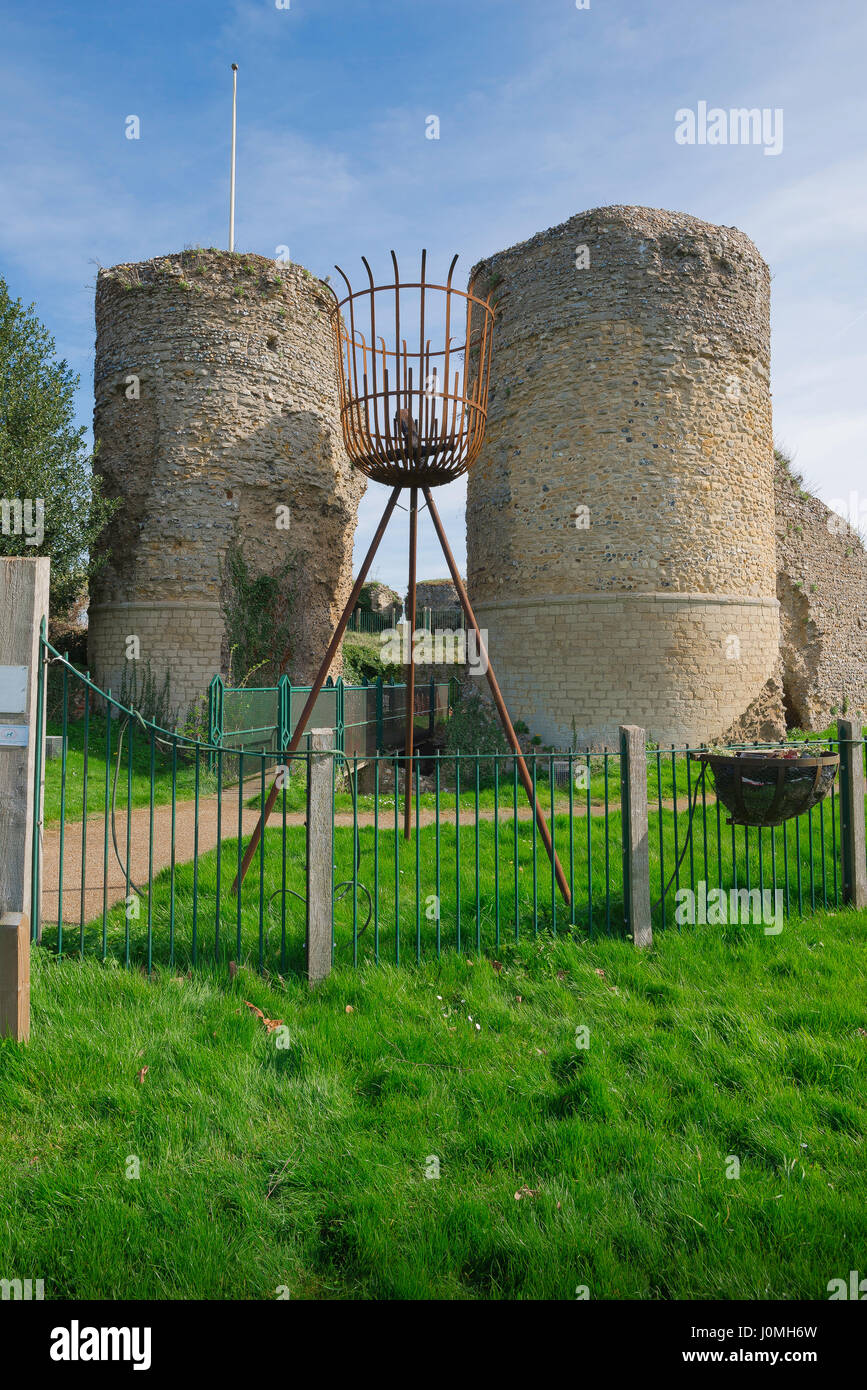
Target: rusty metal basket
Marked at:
758, 789
412, 416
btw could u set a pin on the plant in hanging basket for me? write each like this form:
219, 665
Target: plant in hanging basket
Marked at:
769, 786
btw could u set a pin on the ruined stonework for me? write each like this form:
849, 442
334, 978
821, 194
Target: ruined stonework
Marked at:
378, 597
620, 519
436, 593
822, 588
236, 418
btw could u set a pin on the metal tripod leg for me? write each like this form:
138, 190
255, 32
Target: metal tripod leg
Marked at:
499, 701
318, 684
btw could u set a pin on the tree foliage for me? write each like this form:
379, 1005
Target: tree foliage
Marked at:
44, 458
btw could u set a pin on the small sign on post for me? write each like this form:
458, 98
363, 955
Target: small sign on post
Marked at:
13, 689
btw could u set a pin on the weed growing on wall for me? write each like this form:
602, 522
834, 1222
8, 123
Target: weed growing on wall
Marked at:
140, 690
257, 611
475, 728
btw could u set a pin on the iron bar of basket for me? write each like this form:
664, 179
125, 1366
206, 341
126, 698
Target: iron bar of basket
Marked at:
433, 448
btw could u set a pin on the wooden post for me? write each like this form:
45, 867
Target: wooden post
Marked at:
853, 852
636, 856
320, 855
23, 603
14, 976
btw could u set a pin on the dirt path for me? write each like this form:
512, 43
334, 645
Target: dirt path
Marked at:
112, 886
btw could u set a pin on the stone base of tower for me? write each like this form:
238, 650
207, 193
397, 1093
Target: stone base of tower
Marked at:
682, 666
181, 638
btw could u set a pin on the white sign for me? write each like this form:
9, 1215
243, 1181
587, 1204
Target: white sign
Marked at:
13, 689
14, 735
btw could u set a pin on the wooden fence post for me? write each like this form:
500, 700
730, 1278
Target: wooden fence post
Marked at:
853, 852
636, 856
23, 604
320, 855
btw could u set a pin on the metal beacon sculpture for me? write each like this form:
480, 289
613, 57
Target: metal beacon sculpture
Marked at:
413, 417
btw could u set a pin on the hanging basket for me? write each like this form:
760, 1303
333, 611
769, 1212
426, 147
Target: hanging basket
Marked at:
766, 789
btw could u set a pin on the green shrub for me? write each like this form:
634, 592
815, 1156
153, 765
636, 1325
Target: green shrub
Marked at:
475, 728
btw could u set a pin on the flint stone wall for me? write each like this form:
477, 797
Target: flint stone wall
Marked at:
237, 415
822, 588
636, 388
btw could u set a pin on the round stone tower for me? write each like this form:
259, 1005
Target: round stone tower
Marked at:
620, 519
217, 426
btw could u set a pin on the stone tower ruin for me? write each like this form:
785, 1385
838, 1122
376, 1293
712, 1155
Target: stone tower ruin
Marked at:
217, 424
620, 519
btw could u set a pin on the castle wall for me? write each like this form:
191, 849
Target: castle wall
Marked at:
236, 418
822, 588
620, 519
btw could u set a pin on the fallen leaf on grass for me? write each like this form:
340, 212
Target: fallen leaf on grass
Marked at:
269, 1023
526, 1191
142, 1074
496, 966
600, 973
350, 1009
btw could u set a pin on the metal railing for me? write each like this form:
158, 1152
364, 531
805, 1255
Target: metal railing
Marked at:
696, 850
365, 719
430, 619
365, 620
139, 834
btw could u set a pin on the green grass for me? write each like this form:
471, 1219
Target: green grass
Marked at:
96, 779
303, 1165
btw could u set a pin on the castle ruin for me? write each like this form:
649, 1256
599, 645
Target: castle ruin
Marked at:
217, 423
634, 551
620, 519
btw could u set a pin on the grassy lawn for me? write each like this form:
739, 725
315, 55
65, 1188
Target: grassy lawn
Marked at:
297, 1156
95, 763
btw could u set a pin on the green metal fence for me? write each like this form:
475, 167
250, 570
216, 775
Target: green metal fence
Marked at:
365, 719
140, 833
430, 619
363, 620
699, 859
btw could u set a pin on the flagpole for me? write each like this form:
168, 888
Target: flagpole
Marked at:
232, 178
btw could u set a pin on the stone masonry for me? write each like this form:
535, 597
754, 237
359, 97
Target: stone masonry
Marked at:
620, 519
436, 593
217, 421
822, 588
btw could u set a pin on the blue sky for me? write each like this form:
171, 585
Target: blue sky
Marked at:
545, 110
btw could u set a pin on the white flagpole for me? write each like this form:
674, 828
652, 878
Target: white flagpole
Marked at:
232, 179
